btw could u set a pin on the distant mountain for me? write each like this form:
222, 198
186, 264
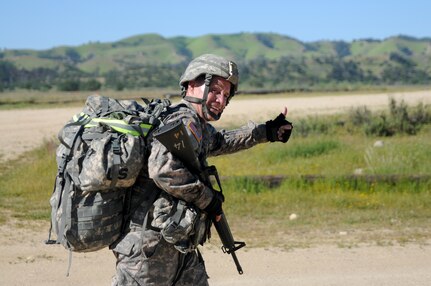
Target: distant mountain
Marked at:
266, 60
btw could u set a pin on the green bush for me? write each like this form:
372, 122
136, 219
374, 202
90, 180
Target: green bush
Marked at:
400, 119
90, 85
68, 85
360, 116
76, 85
380, 126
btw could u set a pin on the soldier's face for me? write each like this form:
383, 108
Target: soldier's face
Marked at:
217, 97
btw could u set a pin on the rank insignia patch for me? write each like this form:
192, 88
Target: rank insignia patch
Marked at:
195, 131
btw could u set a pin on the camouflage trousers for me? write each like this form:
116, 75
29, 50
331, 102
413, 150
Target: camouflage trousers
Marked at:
147, 259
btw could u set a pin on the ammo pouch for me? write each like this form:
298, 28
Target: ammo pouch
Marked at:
180, 224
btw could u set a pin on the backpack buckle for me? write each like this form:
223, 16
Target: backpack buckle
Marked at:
116, 148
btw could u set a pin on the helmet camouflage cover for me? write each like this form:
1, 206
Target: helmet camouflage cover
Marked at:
214, 65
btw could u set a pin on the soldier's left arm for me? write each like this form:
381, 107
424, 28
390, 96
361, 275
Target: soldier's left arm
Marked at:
226, 142
231, 141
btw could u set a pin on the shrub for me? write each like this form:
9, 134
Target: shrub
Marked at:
400, 119
360, 116
380, 126
90, 85
68, 85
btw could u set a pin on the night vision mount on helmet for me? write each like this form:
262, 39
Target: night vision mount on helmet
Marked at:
209, 65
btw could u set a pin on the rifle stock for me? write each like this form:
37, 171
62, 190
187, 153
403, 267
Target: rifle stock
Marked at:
175, 138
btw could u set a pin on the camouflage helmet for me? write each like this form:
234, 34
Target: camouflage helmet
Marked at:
213, 65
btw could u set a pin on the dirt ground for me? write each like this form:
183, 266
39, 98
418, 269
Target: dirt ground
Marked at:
26, 260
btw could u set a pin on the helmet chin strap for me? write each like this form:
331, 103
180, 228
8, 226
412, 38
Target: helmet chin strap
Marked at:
206, 112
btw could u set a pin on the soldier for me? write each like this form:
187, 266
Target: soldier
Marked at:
160, 247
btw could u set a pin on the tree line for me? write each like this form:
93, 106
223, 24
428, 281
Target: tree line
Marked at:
260, 73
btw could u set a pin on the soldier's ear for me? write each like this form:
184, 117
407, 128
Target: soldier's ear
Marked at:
193, 87
191, 84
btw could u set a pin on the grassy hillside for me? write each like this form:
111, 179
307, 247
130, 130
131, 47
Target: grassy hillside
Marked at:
285, 62
155, 49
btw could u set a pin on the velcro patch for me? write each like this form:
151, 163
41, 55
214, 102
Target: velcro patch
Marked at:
195, 131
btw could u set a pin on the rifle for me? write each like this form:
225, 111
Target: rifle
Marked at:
175, 138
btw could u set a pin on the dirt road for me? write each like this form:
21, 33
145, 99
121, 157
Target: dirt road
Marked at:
25, 260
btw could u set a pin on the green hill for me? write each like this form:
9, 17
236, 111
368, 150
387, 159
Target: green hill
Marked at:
266, 60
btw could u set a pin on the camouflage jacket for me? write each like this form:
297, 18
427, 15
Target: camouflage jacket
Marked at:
170, 174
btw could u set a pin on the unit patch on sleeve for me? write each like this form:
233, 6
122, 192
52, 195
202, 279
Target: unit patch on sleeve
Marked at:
195, 131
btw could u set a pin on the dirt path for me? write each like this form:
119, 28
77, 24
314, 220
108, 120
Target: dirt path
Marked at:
25, 260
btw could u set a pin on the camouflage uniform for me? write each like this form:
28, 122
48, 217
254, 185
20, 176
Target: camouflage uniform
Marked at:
147, 258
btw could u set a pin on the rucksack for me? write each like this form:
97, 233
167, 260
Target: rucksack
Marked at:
100, 155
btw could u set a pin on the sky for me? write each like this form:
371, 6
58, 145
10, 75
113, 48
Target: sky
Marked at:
43, 24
